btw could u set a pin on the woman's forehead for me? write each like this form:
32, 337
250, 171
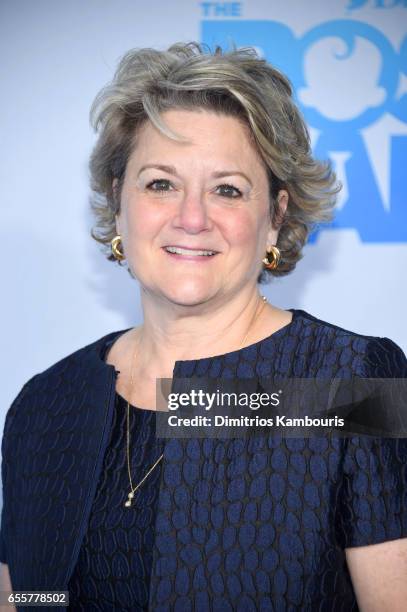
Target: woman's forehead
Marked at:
220, 139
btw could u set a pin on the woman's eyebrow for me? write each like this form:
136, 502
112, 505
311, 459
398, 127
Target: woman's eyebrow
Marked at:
232, 173
172, 170
164, 168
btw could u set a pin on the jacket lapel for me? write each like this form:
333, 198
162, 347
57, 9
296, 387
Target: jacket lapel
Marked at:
68, 412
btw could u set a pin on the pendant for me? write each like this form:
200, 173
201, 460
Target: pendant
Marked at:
130, 497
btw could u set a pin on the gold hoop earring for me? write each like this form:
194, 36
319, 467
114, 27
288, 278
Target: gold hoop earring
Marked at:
117, 252
272, 258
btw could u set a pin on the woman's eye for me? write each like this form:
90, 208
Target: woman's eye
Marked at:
229, 191
161, 185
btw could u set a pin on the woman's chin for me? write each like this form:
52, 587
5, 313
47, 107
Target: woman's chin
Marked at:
188, 294
186, 299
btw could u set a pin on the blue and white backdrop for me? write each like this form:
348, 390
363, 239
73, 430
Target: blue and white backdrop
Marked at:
347, 60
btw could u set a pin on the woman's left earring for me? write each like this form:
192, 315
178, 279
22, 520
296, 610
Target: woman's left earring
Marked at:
116, 243
272, 259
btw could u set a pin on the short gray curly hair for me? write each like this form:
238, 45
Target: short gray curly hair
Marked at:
239, 83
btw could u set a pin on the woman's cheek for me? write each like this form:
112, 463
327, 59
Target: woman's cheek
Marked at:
146, 221
242, 230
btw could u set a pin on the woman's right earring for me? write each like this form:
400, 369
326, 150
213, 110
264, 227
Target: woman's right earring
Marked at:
116, 243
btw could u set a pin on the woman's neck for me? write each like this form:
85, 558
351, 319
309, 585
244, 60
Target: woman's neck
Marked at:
149, 352
171, 333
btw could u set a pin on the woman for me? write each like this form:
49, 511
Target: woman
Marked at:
205, 185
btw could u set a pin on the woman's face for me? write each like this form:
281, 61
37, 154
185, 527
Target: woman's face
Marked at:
194, 218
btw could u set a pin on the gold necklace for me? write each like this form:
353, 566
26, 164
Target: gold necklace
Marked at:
134, 489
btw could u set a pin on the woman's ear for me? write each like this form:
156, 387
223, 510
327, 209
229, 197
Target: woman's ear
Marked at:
275, 224
115, 186
281, 208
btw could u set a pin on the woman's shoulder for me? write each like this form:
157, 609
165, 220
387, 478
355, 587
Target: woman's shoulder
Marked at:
88, 354
70, 371
332, 329
380, 356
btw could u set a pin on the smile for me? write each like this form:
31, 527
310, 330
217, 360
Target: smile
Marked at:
186, 253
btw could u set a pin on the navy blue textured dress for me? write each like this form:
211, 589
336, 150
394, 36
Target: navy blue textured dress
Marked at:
114, 565
240, 525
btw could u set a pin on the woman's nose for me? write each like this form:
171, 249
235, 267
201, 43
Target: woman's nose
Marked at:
192, 215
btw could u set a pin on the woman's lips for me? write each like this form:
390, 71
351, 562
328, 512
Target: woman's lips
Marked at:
188, 255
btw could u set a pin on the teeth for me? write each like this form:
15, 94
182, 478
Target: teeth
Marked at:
180, 251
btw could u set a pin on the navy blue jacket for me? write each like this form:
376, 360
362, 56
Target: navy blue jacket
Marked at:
242, 524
